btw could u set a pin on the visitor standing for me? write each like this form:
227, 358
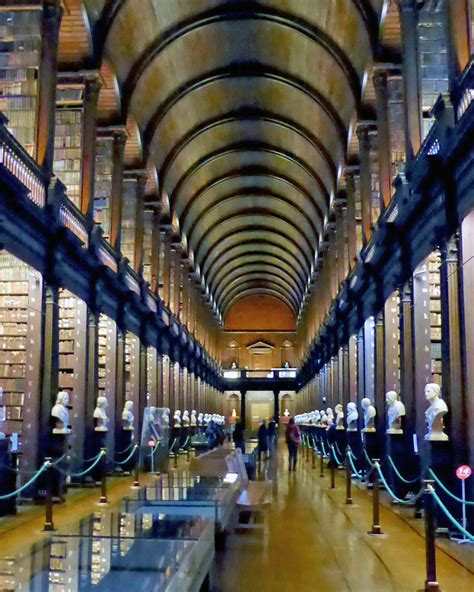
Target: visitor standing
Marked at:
293, 439
262, 437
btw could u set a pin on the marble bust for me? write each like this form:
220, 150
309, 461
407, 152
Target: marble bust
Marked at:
435, 413
193, 418
60, 414
339, 409
128, 416
286, 413
101, 419
395, 412
317, 417
166, 417
369, 415
329, 417
186, 419
177, 419
200, 419
352, 417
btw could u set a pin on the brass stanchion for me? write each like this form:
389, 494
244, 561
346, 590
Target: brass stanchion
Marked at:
348, 478
103, 478
376, 528
136, 469
48, 520
431, 583
332, 463
321, 466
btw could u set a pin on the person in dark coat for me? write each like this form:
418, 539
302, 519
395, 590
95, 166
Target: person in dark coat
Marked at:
293, 439
239, 436
272, 437
262, 436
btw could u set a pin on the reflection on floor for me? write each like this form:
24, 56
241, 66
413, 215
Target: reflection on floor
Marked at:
318, 544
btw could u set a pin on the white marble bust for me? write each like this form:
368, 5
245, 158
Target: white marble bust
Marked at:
166, 417
329, 417
339, 409
323, 418
128, 416
317, 417
100, 415
177, 419
369, 415
435, 413
395, 412
286, 413
186, 419
352, 417
61, 414
201, 419
193, 418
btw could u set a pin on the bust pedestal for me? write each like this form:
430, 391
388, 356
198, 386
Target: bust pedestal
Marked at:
398, 446
341, 441
440, 458
7, 478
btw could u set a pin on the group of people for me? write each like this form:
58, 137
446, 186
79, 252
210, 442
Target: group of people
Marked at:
267, 439
215, 435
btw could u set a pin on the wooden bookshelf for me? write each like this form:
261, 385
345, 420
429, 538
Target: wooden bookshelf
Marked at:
107, 357
20, 31
68, 141
129, 212
20, 318
103, 184
147, 244
434, 263
132, 371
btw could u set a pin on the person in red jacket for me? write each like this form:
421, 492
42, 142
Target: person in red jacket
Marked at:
293, 439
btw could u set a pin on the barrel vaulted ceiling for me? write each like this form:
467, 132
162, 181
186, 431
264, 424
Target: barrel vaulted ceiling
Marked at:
244, 108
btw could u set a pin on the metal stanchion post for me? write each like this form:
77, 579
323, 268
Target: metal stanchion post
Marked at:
103, 477
376, 528
348, 478
431, 583
48, 522
321, 466
314, 458
136, 471
332, 462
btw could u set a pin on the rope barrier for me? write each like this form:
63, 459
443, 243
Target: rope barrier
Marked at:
451, 518
358, 475
399, 475
338, 449
88, 470
367, 457
446, 490
125, 449
336, 458
27, 484
356, 458
60, 459
124, 462
392, 494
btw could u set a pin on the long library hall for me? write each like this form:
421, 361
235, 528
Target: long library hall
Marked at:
236, 295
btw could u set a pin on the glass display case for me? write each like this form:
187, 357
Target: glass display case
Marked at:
187, 495
113, 551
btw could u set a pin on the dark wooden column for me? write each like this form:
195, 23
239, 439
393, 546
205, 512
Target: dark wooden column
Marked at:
411, 75
139, 219
166, 245
120, 392
351, 215
458, 25
92, 385
346, 376
422, 342
379, 357
467, 338
243, 408
392, 348
453, 386
407, 375
360, 367
155, 251
91, 97
49, 358
120, 139
51, 21
159, 380
142, 386
363, 133
276, 405
384, 153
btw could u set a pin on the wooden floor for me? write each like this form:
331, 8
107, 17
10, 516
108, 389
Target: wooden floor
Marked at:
316, 543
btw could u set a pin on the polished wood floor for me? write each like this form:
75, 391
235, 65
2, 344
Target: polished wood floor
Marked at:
316, 543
